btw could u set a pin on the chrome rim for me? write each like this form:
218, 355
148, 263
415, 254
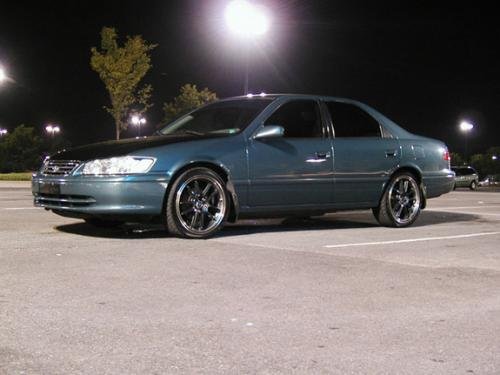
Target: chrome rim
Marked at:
200, 204
404, 199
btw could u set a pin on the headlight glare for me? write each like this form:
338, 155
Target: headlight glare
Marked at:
118, 165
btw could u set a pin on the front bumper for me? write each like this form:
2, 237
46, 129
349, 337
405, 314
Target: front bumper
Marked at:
96, 195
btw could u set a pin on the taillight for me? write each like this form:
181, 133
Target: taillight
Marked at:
446, 155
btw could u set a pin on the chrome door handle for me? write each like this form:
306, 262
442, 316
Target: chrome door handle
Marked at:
319, 157
323, 155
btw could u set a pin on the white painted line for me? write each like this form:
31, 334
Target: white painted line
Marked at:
467, 212
444, 208
412, 240
21, 208
462, 207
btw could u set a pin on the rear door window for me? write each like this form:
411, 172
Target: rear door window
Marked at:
470, 171
350, 121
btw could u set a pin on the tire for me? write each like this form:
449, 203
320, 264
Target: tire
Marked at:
197, 204
401, 202
100, 223
473, 185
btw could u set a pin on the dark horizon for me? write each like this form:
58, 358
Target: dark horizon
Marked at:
425, 67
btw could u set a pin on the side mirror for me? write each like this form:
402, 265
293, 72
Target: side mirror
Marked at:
270, 131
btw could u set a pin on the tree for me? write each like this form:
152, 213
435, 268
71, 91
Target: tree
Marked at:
493, 154
20, 150
122, 68
457, 159
189, 98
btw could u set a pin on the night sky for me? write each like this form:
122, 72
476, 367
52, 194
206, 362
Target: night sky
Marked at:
424, 66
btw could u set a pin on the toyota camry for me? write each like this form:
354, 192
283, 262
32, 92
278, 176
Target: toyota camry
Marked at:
249, 157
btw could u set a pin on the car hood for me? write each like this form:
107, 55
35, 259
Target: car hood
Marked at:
118, 148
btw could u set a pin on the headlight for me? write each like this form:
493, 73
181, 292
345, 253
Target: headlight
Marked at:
119, 165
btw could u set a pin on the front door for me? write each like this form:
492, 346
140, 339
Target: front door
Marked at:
295, 170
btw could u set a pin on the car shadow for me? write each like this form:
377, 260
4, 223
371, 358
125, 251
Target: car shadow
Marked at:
339, 220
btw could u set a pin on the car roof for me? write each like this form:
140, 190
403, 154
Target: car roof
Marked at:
291, 96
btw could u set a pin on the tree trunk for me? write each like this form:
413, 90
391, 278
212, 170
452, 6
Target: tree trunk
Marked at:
117, 128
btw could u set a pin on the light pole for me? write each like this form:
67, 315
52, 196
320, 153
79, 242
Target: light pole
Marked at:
52, 129
466, 127
247, 21
137, 120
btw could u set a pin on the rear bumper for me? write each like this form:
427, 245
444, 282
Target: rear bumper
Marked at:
87, 196
439, 184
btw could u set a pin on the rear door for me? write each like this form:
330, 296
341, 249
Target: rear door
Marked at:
363, 157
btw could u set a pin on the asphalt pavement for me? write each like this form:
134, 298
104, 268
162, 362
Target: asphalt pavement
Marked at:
335, 294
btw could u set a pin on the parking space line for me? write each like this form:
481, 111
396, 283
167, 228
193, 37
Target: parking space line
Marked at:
20, 208
470, 211
493, 205
421, 239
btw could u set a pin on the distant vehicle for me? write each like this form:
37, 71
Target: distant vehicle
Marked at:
490, 180
249, 157
466, 177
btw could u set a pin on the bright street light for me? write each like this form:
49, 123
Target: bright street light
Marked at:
247, 21
494, 157
52, 129
138, 121
466, 127
3, 75
3, 132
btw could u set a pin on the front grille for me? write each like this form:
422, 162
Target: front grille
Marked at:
59, 167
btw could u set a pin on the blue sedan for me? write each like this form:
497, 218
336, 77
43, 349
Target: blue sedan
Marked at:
250, 157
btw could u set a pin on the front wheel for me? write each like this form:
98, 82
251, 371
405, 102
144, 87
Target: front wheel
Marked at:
400, 204
473, 185
197, 204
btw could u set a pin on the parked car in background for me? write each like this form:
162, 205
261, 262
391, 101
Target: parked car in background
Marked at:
490, 180
250, 157
466, 177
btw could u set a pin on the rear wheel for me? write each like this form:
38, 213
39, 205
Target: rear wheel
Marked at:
197, 204
473, 185
400, 204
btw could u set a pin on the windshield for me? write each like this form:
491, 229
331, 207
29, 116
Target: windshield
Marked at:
226, 117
